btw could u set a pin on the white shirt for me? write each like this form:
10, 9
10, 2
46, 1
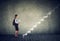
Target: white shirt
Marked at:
17, 21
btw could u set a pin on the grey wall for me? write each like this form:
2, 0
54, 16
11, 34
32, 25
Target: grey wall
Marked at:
29, 13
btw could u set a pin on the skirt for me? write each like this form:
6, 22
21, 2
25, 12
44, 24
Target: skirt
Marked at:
16, 27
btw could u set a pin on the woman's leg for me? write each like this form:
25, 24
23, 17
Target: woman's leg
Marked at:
16, 33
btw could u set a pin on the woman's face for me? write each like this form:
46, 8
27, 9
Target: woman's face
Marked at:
16, 16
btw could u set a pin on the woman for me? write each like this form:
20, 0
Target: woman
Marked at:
16, 23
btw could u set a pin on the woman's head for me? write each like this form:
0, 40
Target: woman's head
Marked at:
16, 15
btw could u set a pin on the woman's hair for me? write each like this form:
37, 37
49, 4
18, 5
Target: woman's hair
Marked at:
16, 15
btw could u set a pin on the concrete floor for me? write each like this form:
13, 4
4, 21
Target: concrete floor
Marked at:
31, 37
